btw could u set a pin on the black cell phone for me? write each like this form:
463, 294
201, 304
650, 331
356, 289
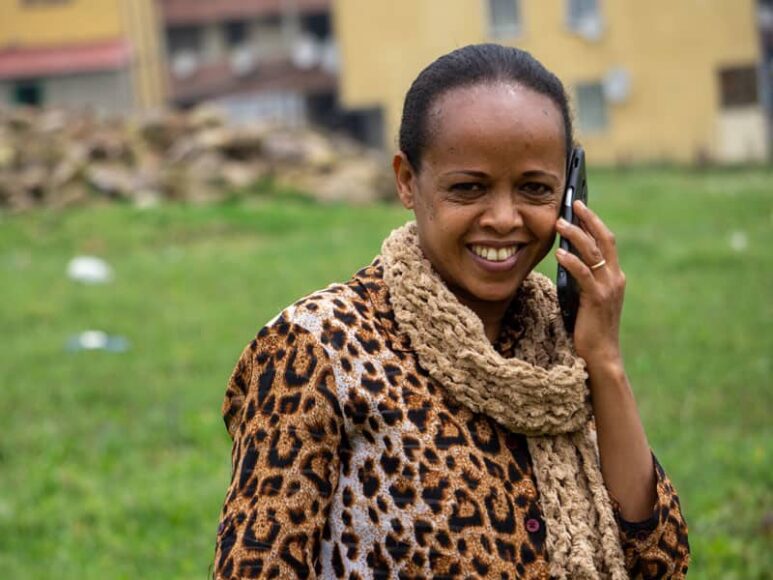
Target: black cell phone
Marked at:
576, 188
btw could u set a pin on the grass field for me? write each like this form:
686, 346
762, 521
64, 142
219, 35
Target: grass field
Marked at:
115, 465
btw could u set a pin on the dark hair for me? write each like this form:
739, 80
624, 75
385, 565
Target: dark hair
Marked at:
471, 65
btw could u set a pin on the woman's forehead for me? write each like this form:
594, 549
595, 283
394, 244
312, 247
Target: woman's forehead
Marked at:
499, 118
493, 102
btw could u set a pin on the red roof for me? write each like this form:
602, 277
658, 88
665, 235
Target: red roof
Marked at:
43, 61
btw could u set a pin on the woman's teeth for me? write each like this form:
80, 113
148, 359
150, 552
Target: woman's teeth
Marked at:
494, 254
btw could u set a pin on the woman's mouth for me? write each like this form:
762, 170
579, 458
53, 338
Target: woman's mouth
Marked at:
494, 254
495, 259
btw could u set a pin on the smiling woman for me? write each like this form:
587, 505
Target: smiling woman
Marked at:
431, 417
486, 198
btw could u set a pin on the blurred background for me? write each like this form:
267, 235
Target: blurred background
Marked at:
174, 172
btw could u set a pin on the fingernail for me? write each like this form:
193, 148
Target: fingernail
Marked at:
560, 252
562, 223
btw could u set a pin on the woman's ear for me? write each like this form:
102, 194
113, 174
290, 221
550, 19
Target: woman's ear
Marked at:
405, 178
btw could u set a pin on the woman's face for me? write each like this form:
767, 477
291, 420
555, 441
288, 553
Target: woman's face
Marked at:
487, 195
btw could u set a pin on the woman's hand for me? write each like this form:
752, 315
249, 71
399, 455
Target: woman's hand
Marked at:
601, 283
626, 461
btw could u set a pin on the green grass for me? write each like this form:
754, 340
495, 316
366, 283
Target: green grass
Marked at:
115, 465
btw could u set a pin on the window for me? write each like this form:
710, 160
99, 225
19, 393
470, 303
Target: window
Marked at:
584, 18
317, 25
236, 33
738, 86
29, 94
591, 108
504, 18
580, 11
184, 39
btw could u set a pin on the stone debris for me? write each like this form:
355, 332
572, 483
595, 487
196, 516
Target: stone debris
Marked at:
62, 159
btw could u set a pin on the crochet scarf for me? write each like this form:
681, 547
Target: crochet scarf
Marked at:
541, 392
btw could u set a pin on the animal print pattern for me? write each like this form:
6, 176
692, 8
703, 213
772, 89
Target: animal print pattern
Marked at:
350, 462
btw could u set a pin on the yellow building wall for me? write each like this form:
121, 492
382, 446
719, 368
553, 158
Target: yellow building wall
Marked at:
76, 21
672, 51
58, 23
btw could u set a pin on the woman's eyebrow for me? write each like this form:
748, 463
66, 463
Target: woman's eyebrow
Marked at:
483, 175
468, 172
540, 173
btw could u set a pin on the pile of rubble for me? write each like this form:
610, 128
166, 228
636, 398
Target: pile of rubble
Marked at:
60, 159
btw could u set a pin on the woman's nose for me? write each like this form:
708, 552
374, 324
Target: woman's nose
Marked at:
502, 214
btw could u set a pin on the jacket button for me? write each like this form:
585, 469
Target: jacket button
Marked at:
532, 525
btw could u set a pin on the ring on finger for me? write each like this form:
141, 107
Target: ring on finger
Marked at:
598, 265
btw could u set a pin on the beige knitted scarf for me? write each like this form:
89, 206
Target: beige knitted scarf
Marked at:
540, 392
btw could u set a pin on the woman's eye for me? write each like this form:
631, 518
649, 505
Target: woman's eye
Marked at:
468, 188
535, 189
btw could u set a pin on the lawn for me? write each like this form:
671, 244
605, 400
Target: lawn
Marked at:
114, 465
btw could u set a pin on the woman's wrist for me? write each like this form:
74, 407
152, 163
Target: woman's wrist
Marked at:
606, 365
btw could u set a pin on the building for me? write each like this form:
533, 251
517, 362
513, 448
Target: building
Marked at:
256, 59
99, 54
650, 81
766, 68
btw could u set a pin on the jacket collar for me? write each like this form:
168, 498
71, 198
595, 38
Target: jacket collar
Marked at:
370, 282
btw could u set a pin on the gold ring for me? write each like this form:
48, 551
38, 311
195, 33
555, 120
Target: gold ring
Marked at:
599, 265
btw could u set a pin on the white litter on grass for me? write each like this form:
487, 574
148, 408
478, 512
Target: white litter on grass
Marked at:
739, 241
97, 340
89, 270
93, 339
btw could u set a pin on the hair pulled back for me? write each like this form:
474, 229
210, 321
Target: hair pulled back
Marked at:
472, 65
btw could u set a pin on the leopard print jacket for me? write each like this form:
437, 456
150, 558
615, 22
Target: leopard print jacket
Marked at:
350, 462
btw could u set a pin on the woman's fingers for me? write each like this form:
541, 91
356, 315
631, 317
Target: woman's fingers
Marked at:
578, 269
603, 236
601, 289
582, 242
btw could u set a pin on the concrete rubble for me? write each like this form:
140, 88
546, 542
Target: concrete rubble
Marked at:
61, 159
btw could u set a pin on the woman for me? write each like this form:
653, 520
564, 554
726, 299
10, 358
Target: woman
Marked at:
430, 417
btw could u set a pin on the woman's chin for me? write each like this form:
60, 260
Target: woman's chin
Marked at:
476, 288
493, 293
